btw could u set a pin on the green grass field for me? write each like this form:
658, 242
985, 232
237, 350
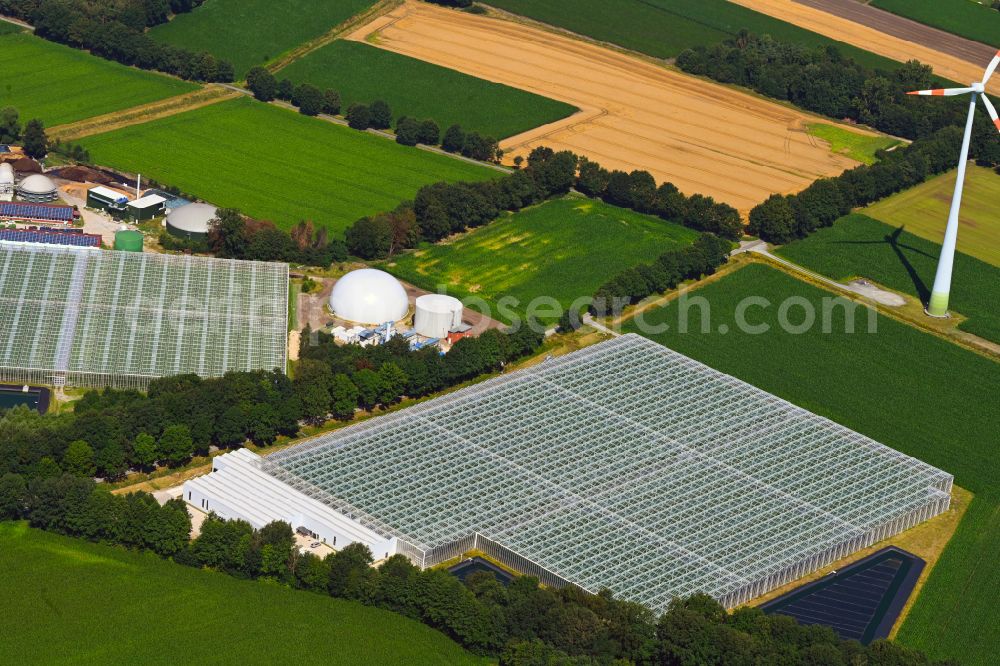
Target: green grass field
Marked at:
860, 147
664, 28
966, 18
252, 32
364, 73
923, 211
276, 164
860, 246
907, 389
70, 601
60, 85
7, 28
563, 249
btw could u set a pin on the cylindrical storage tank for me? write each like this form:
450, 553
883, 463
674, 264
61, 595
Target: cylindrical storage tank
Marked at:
37, 188
128, 241
436, 314
369, 296
6, 174
192, 220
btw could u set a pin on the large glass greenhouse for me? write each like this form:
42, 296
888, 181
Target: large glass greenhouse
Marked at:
624, 466
88, 317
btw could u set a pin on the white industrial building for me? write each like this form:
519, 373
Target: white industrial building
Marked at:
6, 182
237, 489
436, 315
369, 296
625, 466
37, 188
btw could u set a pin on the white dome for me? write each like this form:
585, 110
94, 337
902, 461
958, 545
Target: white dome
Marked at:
37, 184
436, 315
193, 218
369, 296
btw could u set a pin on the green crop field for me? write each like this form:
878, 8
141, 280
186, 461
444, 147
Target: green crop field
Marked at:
858, 246
70, 601
909, 390
61, 85
923, 211
252, 32
276, 164
664, 28
860, 147
363, 73
966, 18
562, 249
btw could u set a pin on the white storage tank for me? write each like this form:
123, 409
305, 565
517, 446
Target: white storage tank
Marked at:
6, 182
436, 314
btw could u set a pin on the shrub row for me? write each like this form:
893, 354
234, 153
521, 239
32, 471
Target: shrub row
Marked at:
442, 209
112, 431
522, 623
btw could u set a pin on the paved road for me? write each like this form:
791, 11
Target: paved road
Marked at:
904, 28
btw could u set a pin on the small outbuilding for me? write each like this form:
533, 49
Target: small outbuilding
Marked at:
104, 198
146, 208
191, 221
37, 188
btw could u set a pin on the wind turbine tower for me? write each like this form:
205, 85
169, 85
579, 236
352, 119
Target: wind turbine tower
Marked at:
938, 305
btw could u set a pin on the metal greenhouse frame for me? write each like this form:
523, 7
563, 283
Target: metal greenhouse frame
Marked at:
625, 466
88, 317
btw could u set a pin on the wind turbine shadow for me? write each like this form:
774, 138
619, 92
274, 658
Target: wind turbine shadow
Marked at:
893, 241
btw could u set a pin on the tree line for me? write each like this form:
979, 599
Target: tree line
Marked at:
522, 623
783, 218
112, 431
442, 209
701, 258
311, 101
116, 31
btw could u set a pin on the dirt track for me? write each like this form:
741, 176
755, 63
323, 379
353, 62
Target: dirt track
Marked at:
932, 47
634, 114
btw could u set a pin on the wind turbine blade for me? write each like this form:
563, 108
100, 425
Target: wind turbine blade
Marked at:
946, 92
992, 67
990, 109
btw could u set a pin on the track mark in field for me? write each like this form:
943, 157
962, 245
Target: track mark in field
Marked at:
210, 94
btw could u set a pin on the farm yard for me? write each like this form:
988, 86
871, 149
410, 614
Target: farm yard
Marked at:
909, 390
252, 32
87, 85
362, 73
703, 137
563, 249
969, 19
858, 246
664, 28
97, 604
923, 211
277, 165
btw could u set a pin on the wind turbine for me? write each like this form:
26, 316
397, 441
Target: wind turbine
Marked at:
938, 305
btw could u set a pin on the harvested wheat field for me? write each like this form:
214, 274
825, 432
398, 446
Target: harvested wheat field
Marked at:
635, 114
949, 66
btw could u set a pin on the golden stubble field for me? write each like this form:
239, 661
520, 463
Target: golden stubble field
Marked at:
634, 114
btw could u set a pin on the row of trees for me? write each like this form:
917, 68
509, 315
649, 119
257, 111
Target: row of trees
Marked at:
783, 218
522, 623
442, 209
233, 236
312, 101
112, 431
116, 31
31, 137
671, 268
